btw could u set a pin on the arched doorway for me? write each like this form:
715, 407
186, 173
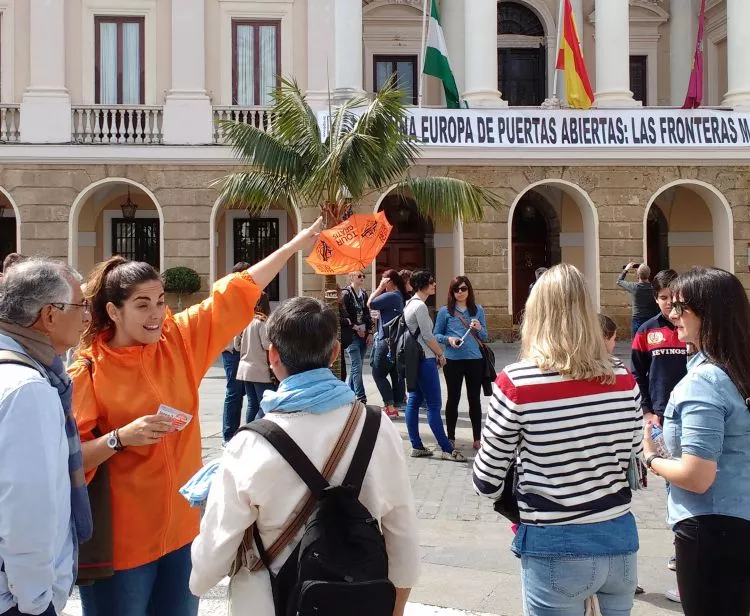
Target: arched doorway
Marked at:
9, 227
535, 243
411, 241
657, 240
699, 225
521, 55
115, 216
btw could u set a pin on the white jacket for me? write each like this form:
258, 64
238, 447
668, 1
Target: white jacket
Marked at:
255, 484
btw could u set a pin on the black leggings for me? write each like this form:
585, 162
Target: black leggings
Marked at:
713, 565
455, 371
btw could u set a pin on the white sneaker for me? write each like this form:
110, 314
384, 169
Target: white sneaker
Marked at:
453, 456
673, 595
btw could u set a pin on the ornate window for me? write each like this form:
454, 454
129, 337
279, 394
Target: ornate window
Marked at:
137, 239
256, 54
405, 70
515, 18
254, 240
119, 63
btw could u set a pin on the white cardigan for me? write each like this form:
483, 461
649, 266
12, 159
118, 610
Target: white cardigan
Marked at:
255, 483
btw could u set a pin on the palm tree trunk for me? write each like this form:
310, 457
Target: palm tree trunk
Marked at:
331, 298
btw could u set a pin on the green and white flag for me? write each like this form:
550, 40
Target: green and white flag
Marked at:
436, 61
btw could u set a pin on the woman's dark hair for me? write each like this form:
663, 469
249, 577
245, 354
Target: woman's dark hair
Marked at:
397, 280
405, 275
303, 330
113, 280
240, 266
471, 303
663, 280
719, 300
609, 327
263, 306
421, 280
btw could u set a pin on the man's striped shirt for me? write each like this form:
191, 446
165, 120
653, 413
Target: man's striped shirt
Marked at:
573, 441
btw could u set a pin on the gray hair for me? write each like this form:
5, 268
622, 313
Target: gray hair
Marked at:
303, 330
644, 272
33, 284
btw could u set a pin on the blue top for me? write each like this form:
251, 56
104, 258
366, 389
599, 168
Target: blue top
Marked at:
707, 417
618, 536
390, 305
447, 325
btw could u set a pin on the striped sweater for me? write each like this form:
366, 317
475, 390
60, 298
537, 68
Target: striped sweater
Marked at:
573, 439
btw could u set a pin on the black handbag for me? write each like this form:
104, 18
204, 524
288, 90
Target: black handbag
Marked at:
507, 504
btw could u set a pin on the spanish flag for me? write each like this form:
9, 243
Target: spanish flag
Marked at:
570, 60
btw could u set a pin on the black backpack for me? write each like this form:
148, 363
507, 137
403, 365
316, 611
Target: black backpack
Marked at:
404, 349
340, 566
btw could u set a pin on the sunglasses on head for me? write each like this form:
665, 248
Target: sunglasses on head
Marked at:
462, 289
679, 307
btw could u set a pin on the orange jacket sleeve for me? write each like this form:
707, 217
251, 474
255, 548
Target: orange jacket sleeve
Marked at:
207, 328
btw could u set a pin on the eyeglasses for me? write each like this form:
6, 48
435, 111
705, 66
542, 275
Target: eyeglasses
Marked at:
85, 304
359, 276
462, 289
679, 307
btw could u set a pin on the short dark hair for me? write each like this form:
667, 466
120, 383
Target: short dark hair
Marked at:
609, 327
240, 266
303, 330
11, 259
421, 280
663, 280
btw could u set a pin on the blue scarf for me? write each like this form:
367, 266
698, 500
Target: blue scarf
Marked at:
314, 391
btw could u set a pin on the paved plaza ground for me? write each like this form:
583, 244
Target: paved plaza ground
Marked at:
466, 560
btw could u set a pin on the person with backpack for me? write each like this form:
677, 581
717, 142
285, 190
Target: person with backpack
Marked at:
422, 377
355, 302
314, 434
388, 299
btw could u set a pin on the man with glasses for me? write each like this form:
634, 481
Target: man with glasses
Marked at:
355, 302
44, 506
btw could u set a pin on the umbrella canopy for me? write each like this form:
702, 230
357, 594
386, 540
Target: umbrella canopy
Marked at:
350, 246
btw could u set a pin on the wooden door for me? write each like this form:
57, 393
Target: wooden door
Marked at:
527, 257
522, 76
7, 237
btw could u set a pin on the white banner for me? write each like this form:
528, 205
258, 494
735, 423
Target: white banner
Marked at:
534, 128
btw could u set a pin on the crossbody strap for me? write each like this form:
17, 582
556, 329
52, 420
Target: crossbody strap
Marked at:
291, 530
18, 359
471, 329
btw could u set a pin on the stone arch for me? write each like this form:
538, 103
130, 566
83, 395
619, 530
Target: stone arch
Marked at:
214, 245
590, 234
82, 199
17, 215
721, 218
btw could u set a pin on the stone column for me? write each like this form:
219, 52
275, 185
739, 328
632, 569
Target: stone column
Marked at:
738, 51
347, 37
187, 112
45, 107
683, 27
480, 32
452, 16
613, 55
320, 52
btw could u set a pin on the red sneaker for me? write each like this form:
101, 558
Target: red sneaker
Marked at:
391, 412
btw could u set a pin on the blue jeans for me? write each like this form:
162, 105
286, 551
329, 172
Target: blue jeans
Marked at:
393, 392
428, 389
559, 585
233, 396
356, 351
158, 588
637, 322
254, 393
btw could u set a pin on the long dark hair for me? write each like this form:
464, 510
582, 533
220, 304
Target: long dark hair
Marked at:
397, 280
113, 280
471, 303
263, 306
719, 300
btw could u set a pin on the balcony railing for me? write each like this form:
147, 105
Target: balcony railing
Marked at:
139, 124
10, 123
259, 117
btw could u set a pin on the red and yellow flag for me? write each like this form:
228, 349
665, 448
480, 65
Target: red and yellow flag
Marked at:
570, 60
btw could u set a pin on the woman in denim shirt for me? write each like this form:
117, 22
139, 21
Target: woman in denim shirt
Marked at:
707, 433
458, 327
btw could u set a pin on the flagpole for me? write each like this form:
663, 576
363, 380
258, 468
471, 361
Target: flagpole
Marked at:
560, 28
425, 18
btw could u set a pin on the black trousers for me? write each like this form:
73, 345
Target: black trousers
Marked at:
713, 565
455, 372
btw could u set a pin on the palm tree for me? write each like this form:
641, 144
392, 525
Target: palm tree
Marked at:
293, 164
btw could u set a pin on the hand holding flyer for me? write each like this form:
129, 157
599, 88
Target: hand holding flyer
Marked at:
179, 419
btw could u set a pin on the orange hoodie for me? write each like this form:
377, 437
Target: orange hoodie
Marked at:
149, 516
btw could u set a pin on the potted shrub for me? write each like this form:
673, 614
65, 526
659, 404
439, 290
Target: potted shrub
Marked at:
181, 281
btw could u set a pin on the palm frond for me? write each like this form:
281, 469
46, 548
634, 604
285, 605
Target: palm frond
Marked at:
294, 122
449, 199
256, 191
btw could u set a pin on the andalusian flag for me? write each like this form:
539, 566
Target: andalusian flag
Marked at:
570, 60
436, 59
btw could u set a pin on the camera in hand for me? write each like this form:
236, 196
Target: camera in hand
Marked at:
635, 265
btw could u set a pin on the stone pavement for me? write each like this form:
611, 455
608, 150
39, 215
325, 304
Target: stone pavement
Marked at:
466, 560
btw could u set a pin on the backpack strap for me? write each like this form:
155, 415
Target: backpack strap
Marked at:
363, 453
18, 359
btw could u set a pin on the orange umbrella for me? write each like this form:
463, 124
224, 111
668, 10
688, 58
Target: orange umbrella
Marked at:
351, 245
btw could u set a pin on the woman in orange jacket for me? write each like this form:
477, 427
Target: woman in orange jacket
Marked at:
133, 358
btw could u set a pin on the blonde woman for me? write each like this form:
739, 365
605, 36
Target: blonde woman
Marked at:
569, 416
